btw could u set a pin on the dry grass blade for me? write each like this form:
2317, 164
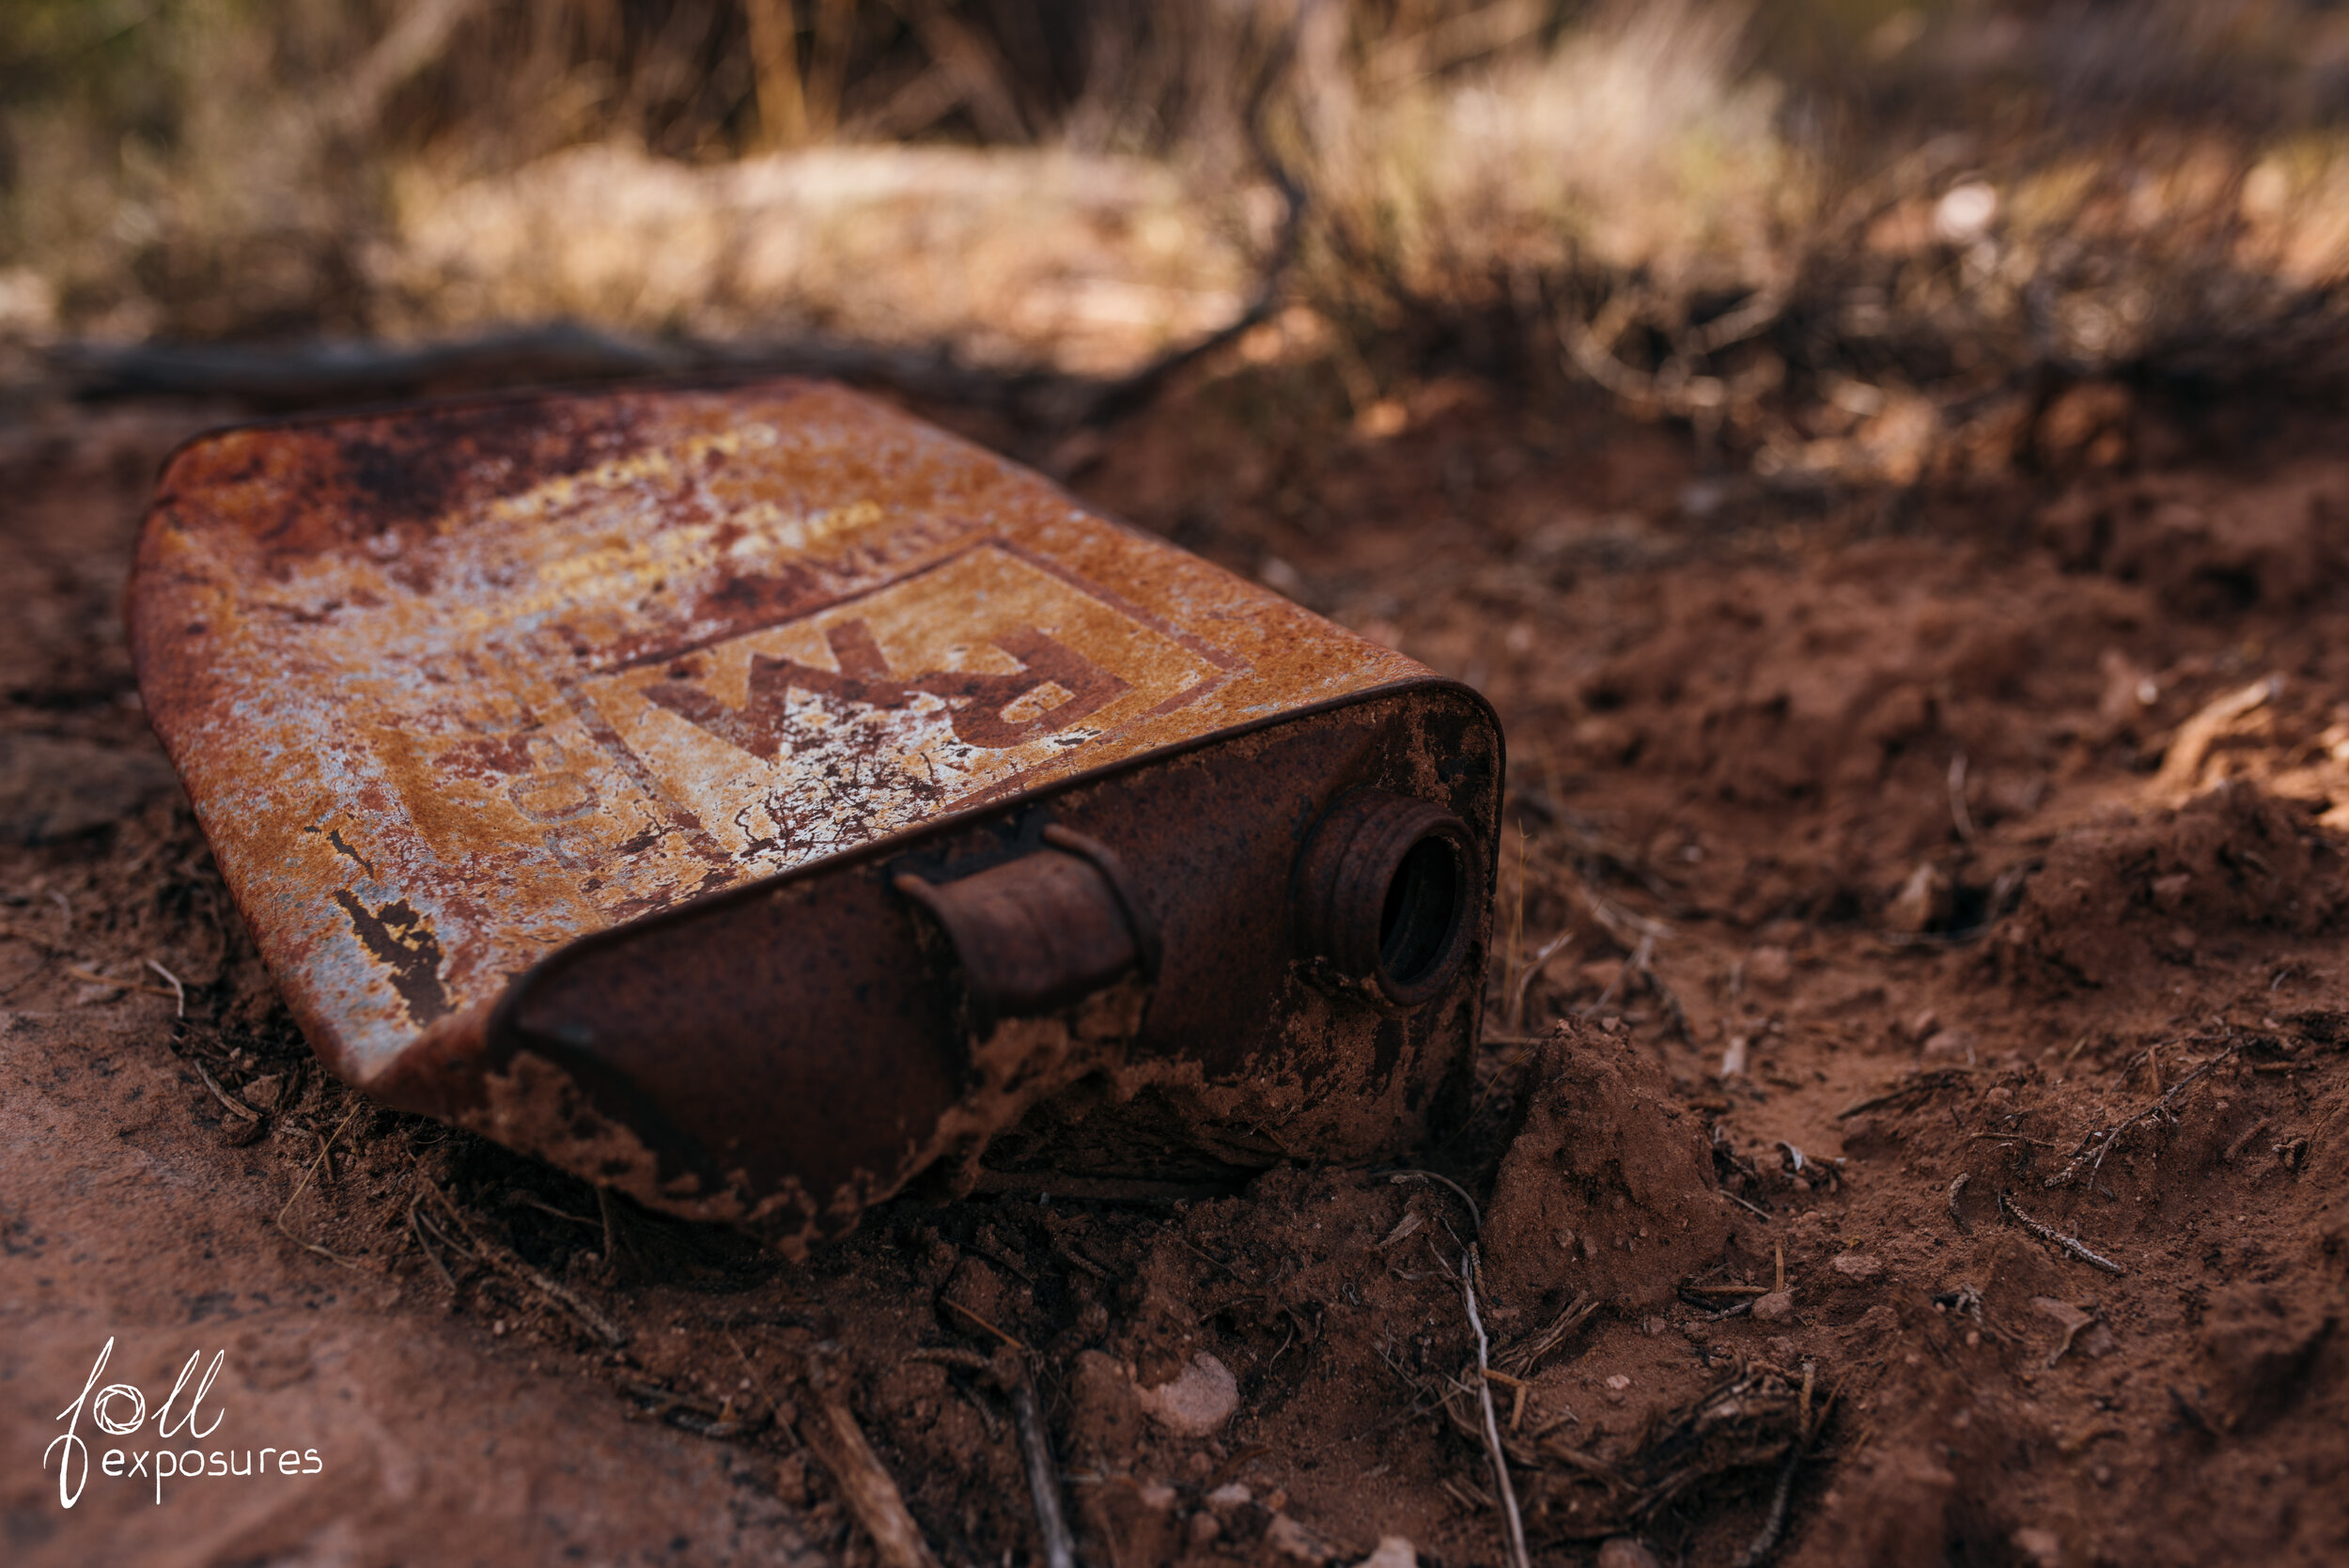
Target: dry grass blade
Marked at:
1529, 974
1491, 1425
178, 992
302, 1186
416, 1225
92, 977
1752, 1421
1476, 1217
1524, 1357
1922, 1083
235, 1105
597, 1322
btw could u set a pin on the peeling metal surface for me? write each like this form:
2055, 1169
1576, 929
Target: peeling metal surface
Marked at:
455, 688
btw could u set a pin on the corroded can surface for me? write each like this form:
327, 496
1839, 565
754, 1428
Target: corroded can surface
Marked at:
751, 799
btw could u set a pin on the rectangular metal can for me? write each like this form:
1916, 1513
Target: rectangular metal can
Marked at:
751, 799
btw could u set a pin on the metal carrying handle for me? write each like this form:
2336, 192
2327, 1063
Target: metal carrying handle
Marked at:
1048, 930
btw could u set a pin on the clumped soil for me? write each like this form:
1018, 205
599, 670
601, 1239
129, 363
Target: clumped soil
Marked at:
1914, 1124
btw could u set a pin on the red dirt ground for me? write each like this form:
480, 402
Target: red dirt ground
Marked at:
1938, 873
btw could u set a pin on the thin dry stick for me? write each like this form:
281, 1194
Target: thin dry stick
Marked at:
416, 1225
1959, 816
2244, 1138
1516, 929
302, 1186
1492, 1425
228, 1100
603, 1207
1944, 1077
13, 932
975, 1318
2057, 1238
1957, 1214
1526, 977
1774, 1523
865, 1484
604, 1327
1526, 1355
178, 992
1476, 1217
90, 976
1060, 1547
2103, 1139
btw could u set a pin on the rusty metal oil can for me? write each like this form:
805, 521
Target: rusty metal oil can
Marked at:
754, 798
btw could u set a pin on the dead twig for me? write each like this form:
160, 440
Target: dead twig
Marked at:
975, 1318
1957, 1216
2057, 1238
235, 1105
178, 992
10, 931
1500, 1460
1476, 1217
525, 1199
1522, 1360
302, 1186
91, 977
1060, 1547
1525, 976
1942, 1078
1960, 818
596, 1321
416, 1226
2100, 1140
865, 1484
1774, 1523
2244, 1138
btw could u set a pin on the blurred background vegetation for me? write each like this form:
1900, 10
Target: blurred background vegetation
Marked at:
1832, 237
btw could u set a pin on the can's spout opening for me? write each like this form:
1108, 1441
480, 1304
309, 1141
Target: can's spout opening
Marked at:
1383, 892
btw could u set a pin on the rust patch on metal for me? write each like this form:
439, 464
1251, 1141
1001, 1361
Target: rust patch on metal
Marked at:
628, 774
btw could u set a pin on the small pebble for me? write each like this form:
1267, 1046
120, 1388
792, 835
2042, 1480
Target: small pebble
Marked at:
1778, 1304
1950, 1047
1855, 1265
1624, 1551
2040, 1545
1290, 1538
1199, 1401
1770, 967
1230, 1494
1158, 1495
1394, 1551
